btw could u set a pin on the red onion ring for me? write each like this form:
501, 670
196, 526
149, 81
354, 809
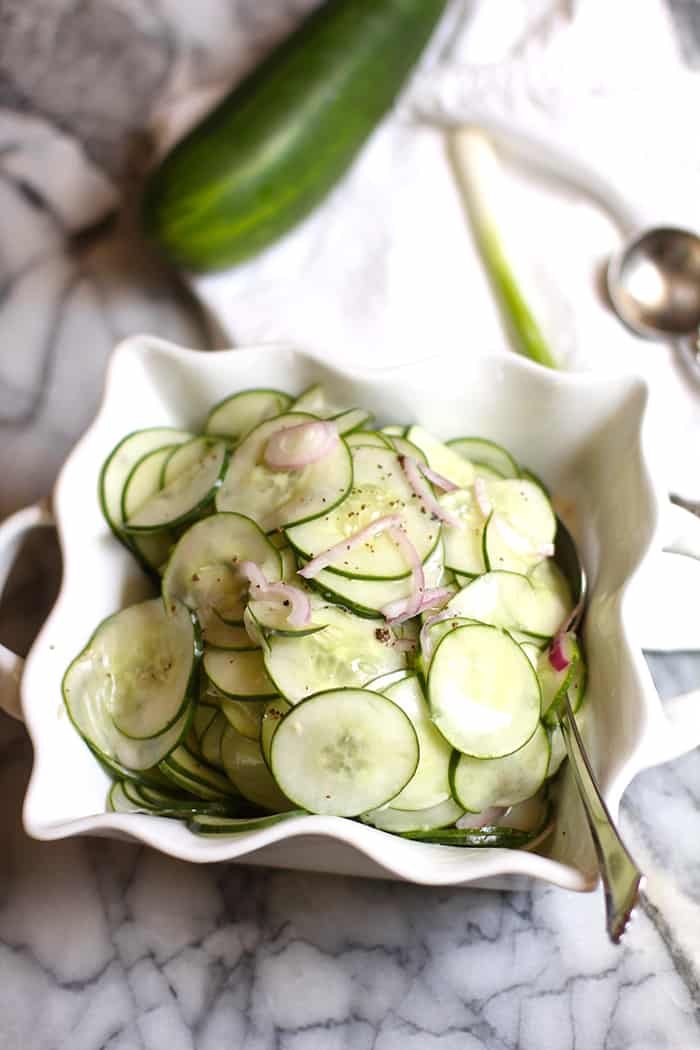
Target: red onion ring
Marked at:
557, 656
327, 557
406, 608
278, 454
437, 479
422, 491
299, 614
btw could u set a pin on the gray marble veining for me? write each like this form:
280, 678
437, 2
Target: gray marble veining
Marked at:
107, 945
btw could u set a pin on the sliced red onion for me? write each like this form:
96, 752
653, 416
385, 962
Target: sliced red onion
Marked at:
300, 606
422, 491
424, 637
405, 645
405, 608
482, 499
558, 656
293, 448
327, 557
438, 480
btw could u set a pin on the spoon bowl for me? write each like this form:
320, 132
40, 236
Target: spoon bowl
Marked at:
654, 283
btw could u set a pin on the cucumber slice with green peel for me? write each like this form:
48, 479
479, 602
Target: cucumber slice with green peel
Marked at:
463, 546
204, 715
245, 715
533, 653
275, 498
401, 820
520, 509
275, 710
368, 597
210, 741
350, 420
239, 675
479, 783
238, 414
494, 836
177, 805
188, 772
202, 571
246, 768
217, 827
119, 802
349, 651
382, 682
192, 475
404, 447
366, 438
430, 784
394, 430
289, 567
144, 481
483, 692
217, 634
135, 677
379, 488
121, 461
483, 453
442, 458
547, 576
343, 752
512, 601
433, 635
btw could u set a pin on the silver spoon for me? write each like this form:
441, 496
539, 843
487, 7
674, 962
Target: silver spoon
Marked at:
654, 288
622, 879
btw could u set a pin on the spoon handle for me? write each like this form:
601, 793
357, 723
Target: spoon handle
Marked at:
622, 879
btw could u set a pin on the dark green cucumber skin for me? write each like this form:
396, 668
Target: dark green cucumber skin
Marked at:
277, 144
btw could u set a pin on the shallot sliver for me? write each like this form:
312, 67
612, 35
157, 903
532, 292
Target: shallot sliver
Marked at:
436, 479
300, 607
422, 491
327, 557
405, 608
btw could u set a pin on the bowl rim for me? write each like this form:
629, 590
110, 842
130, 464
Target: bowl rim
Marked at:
366, 840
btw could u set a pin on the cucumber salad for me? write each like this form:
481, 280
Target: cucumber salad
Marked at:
354, 622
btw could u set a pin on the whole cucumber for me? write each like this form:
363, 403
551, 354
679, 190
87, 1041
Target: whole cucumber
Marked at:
276, 145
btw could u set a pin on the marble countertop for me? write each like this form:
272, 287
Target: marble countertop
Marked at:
108, 945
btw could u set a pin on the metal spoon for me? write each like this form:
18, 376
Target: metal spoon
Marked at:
622, 879
654, 288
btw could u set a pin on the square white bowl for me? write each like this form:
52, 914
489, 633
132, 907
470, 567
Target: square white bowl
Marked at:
585, 435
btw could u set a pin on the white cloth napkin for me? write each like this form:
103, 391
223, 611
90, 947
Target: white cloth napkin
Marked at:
386, 270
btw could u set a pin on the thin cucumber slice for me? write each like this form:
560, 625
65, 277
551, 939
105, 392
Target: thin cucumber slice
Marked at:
192, 476
204, 714
210, 742
121, 462
493, 836
404, 447
119, 802
239, 675
483, 692
520, 508
507, 599
400, 820
479, 783
135, 677
216, 827
275, 710
331, 753
202, 571
237, 415
433, 635
442, 458
272, 617
369, 597
217, 634
144, 480
394, 430
175, 804
289, 567
367, 437
275, 498
246, 768
349, 651
350, 420
154, 548
245, 715
533, 653
463, 546
483, 453
379, 488
381, 683
430, 784
188, 772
